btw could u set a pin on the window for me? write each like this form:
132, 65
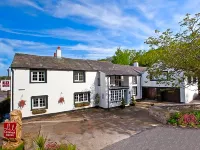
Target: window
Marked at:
38, 76
39, 102
134, 90
115, 80
194, 79
81, 97
79, 76
98, 79
162, 77
134, 80
116, 95
189, 79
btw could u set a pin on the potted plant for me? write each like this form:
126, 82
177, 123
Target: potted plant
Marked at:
122, 103
133, 101
97, 100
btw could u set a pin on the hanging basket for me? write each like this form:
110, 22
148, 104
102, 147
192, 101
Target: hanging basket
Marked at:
61, 100
22, 103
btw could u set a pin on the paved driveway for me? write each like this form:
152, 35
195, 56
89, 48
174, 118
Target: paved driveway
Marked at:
161, 138
89, 129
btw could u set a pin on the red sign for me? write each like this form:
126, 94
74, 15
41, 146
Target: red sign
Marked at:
10, 129
6, 84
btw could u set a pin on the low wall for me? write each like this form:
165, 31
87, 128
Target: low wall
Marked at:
163, 113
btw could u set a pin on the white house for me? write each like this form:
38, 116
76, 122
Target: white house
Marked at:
185, 92
41, 81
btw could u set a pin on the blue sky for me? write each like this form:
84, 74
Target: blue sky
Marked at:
88, 29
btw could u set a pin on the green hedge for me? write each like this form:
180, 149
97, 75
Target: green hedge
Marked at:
5, 106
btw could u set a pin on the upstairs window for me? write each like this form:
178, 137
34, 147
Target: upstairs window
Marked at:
162, 77
134, 90
38, 76
134, 80
79, 76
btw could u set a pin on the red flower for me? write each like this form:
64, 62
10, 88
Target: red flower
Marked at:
52, 146
189, 119
21, 103
61, 100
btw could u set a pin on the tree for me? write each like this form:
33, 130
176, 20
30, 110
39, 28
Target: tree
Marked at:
123, 57
180, 51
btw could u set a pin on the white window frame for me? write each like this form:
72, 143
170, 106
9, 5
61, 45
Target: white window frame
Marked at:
134, 92
38, 76
38, 98
116, 95
78, 74
134, 79
85, 98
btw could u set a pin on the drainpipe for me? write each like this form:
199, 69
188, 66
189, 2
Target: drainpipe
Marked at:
12, 82
108, 93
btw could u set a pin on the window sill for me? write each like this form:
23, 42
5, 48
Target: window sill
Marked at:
82, 104
79, 82
115, 102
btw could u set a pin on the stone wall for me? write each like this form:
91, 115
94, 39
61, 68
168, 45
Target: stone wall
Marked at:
163, 113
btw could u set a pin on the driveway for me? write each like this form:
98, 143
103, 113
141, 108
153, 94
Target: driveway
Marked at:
161, 138
89, 129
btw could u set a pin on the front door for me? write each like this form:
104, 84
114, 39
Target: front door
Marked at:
126, 96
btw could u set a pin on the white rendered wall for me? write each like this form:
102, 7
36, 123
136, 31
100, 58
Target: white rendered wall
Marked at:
57, 82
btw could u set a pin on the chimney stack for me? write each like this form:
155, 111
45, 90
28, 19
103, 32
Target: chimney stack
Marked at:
136, 64
58, 52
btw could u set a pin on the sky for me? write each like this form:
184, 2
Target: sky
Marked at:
85, 29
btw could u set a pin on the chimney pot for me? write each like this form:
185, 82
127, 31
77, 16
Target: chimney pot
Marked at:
58, 52
136, 64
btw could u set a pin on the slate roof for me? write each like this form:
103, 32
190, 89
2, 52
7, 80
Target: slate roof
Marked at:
48, 62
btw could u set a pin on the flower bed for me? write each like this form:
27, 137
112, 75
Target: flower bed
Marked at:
185, 119
176, 114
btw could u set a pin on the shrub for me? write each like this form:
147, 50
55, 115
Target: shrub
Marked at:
133, 101
122, 103
189, 118
40, 142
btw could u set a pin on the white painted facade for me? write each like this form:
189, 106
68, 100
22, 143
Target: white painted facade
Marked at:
60, 83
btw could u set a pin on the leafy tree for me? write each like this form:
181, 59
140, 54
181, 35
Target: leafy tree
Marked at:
122, 57
180, 51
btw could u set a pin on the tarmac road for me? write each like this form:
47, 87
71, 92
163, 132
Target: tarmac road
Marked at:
161, 138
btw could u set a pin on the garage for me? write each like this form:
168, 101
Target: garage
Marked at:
161, 94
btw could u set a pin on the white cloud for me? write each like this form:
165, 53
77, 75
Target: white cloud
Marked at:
22, 3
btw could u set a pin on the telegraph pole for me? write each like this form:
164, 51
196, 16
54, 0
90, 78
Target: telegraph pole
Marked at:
9, 85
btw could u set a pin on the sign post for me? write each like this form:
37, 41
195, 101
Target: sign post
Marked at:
9, 130
5, 85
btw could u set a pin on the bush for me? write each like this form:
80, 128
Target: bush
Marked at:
133, 101
40, 142
122, 103
189, 118
4, 109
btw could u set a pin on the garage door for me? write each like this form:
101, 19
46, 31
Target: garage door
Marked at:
170, 95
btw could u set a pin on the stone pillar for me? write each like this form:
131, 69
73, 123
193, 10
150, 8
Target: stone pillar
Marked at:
13, 143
